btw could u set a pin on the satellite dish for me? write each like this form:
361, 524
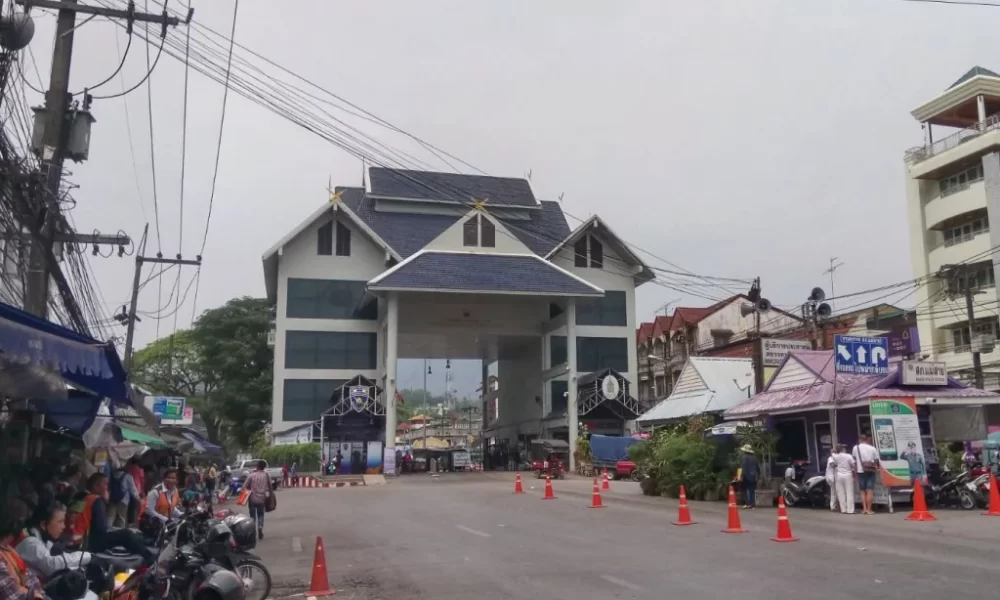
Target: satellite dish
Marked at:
823, 311
817, 295
16, 31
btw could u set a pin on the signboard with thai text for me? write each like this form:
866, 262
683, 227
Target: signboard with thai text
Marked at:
918, 372
774, 350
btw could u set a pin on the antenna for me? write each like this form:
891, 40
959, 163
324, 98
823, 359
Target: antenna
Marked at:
835, 263
528, 175
561, 194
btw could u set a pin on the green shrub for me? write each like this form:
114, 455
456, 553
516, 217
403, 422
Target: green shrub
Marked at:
305, 456
679, 455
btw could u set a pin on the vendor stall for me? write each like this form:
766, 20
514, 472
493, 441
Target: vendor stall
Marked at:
810, 406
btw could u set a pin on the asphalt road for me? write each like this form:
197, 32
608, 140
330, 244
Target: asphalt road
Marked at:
467, 536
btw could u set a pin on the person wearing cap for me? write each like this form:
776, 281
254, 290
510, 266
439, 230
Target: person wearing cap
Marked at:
749, 474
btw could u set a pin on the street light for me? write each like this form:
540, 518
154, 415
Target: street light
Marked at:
655, 357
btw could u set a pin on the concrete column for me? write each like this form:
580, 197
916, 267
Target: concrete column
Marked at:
572, 419
981, 108
391, 354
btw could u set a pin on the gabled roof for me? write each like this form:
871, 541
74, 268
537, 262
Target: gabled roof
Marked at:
706, 385
450, 271
662, 325
644, 332
973, 72
620, 247
429, 186
407, 233
806, 383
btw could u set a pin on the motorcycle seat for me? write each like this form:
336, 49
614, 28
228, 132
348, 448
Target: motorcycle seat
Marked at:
120, 560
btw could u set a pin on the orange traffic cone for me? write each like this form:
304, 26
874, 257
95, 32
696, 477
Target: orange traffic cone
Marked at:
683, 512
548, 489
606, 485
596, 498
994, 510
320, 584
784, 526
734, 515
920, 512
518, 489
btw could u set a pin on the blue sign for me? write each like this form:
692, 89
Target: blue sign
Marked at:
861, 355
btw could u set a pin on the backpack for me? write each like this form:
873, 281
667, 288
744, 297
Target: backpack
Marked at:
116, 492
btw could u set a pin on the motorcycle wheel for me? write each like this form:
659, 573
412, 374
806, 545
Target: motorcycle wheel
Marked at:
636, 475
787, 495
966, 500
245, 569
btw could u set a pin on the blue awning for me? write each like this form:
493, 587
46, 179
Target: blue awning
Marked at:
201, 444
82, 361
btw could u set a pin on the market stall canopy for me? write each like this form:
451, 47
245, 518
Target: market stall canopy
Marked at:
201, 444
83, 361
706, 385
804, 381
138, 437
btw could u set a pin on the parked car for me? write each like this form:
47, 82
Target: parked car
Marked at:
243, 468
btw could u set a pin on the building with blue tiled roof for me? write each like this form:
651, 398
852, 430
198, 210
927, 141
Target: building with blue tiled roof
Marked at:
442, 265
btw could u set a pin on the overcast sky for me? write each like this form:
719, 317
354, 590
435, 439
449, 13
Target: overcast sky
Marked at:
733, 138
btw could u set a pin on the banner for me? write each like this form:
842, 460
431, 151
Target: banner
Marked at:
896, 434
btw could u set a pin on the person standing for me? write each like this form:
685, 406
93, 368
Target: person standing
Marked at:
749, 475
866, 462
831, 480
259, 485
844, 479
338, 460
211, 476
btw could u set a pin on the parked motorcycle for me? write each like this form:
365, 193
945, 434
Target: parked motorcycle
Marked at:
951, 492
799, 491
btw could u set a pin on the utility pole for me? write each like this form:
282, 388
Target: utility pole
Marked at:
834, 265
58, 123
139, 261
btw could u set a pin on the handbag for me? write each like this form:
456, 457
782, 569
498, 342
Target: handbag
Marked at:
244, 497
270, 502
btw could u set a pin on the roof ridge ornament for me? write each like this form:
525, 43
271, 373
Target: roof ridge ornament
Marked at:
335, 196
479, 205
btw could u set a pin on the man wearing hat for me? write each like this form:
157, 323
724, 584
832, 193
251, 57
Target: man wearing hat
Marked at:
749, 474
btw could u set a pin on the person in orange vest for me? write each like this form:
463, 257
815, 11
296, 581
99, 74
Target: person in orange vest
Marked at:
17, 581
91, 523
161, 503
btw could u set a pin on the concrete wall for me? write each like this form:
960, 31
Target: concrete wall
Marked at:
300, 260
729, 318
521, 383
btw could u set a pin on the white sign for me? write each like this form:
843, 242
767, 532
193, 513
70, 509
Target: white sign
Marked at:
187, 419
918, 372
389, 461
610, 387
775, 350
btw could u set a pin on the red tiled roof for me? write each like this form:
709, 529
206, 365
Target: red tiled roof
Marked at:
662, 325
644, 332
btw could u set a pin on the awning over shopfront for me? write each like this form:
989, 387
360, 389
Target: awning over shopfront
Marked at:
202, 445
706, 385
805, 381
130, 435
82, 361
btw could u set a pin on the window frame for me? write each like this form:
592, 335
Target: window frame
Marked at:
470, 228
319, 405
319, 304
331, 350
487, 225
584, 353
324, 239
580, 259
605, 312
342, 243
596, 252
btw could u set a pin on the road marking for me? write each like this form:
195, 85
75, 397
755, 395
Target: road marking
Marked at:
628, 585
473, 531
296, 544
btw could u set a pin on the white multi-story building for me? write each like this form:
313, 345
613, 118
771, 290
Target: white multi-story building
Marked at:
434, 265
953, 193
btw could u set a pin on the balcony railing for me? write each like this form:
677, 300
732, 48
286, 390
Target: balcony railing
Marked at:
922, 153
961, 239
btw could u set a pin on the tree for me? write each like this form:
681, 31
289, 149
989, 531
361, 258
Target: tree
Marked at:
233, 353
222, 365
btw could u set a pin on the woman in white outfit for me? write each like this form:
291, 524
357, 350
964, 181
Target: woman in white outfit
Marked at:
831, 479
844, 473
